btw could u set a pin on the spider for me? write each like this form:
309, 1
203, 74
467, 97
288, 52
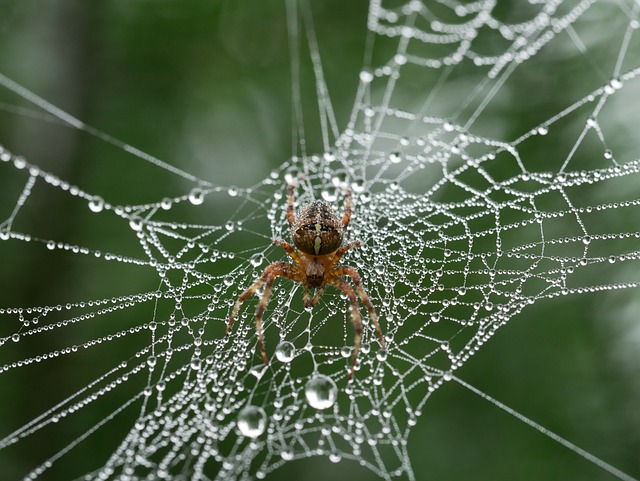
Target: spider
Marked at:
317, 234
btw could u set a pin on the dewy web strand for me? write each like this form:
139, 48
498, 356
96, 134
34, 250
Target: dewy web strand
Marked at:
479, 190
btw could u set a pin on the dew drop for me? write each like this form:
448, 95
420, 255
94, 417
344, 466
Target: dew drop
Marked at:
256, 260
321, 392
196, 196
252, 421
96, 204
135, 223
15, 337
381, 356
400, 59
51, 245
166, 203
366, 76
285, 352
395, 157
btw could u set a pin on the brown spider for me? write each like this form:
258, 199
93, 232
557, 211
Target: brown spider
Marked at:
317, 234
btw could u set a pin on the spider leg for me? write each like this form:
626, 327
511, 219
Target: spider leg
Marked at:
355, 317
288, 248
347, 209
290, 191
340, 252
351, 272
317, 296
277, 269
306, 296
243, 297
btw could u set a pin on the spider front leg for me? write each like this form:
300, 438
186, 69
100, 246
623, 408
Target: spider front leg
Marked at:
340, 252
353, 273
290, 191
288, 248
277, 269
347, 209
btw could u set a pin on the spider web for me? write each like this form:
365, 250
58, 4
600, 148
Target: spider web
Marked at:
465, 220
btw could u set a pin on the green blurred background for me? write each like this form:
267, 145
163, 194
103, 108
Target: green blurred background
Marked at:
205, 86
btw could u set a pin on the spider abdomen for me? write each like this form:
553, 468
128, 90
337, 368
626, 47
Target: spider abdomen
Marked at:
317, 230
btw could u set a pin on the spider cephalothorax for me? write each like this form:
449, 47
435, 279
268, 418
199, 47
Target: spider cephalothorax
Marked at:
317, 234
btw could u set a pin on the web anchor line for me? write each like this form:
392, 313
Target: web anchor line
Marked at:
550, 434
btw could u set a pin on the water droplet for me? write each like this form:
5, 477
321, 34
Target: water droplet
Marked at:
96, 204
152, 361
395, 157
366, 76
135, 222
196, 364
616, 83
256, 260
345, 351
321, 392
285, 352
51, 245
196, 196
400, 59
15, 337
252, 421
166, 203
381, 356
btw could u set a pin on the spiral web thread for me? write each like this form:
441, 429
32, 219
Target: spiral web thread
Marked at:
461, 227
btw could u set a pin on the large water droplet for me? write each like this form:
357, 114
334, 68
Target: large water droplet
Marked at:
196, 196
252, 421
285, 352
136, 223
321, 392
96, 204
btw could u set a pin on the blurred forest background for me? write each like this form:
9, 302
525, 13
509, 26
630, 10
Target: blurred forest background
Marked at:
205, 85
